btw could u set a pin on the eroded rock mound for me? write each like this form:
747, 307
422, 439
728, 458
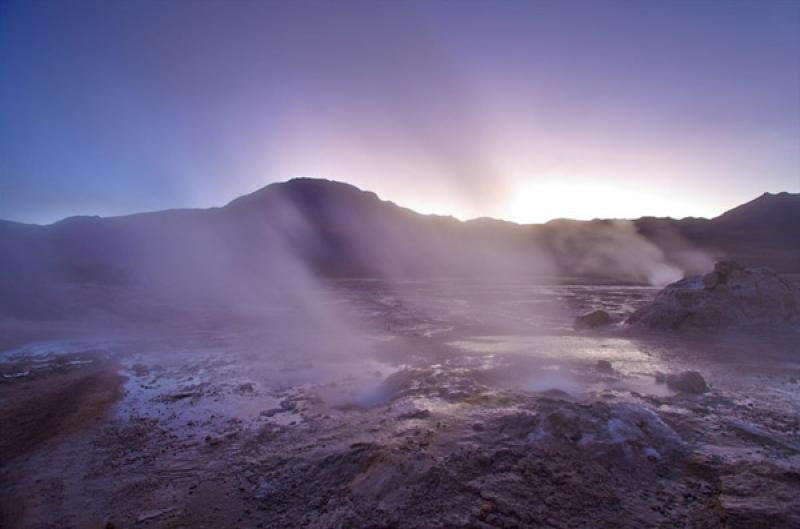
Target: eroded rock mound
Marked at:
730, 296
546, 464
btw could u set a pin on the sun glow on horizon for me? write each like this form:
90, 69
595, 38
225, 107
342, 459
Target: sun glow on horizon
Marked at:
545, 200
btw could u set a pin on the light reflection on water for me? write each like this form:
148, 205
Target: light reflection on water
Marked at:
566, 363
561, 348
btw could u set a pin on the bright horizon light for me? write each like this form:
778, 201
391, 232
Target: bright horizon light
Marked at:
528, 123
545, 200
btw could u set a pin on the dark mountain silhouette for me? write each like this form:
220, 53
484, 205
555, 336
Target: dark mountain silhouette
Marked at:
770, 211
264, 244
762, 232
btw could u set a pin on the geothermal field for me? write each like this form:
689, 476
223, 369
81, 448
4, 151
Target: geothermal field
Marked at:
403, 404
418, 264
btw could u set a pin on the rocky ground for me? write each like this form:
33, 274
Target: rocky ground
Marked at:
457, 406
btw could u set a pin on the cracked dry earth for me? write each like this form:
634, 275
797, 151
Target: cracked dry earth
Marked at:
457, 420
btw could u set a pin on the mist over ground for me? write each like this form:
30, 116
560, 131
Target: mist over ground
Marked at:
564, 320
310, 355
279, 241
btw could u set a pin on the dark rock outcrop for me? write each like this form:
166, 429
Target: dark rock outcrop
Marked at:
596, 318
687, 382
729, 296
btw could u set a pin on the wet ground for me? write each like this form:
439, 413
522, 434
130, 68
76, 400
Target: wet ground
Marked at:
419, 404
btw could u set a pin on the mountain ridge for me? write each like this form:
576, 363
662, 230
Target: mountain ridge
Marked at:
294, 183
312, 227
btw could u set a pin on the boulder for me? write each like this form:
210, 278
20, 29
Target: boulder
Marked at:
604, 366
729, 296
596, 318
687, 382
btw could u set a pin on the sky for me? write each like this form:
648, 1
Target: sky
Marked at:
522, 110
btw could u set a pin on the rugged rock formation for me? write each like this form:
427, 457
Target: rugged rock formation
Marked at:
730, 296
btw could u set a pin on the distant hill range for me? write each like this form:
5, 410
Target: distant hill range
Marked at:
762, 232
265, 242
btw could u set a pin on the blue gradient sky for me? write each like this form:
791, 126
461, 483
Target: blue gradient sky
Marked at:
519, 110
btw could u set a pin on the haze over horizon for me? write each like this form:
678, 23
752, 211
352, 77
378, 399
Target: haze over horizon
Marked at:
382, 198
519, 111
